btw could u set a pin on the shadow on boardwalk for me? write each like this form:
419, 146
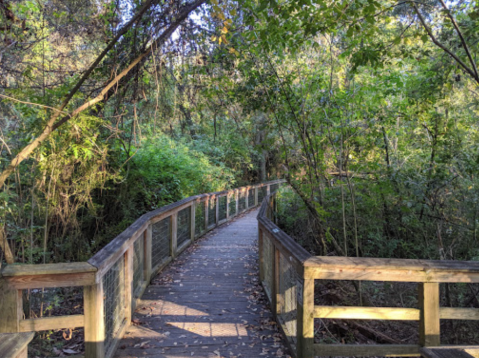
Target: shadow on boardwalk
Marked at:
208, 303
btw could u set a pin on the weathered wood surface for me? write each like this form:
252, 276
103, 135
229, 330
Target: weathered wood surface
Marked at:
208, 303
14, 345
449, 352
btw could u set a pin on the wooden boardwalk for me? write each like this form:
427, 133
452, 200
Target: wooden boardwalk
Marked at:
208, 303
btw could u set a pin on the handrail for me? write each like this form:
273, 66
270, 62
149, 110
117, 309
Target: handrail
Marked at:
288, 272
115, 278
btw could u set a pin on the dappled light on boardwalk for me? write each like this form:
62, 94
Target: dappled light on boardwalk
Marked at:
208, 303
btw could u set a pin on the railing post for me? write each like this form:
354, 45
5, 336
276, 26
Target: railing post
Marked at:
277, 299
261, 253
207, 207
94, 321
305, 328
193, 221
174, 234
147, 246
11, 308
217, 207
237, 194
429, 323
129, 284
256, 189
268, 190
228, 205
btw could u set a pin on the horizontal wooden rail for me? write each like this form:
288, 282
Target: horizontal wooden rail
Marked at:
121, 271
288, 273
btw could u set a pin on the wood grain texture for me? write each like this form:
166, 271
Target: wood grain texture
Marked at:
47, 269
10, 304
202, 305
366, 350
374, 313
50, 323
50, 281
429, 322
445, 352
13, 345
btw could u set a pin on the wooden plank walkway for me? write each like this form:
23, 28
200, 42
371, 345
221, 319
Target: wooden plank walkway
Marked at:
208, 303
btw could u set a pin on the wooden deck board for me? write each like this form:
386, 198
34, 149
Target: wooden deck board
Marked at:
207, 303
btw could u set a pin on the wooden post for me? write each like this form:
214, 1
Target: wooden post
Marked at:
217, 201
260, 253
206, 204
429, 322
268, 189
277, 299
129, 299
305, 322
228, 206
147, 253
94, 321
237, 194
11, 308
256, 190
174, 234
193, 221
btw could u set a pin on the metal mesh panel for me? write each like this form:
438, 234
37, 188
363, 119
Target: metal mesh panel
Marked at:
138, 262
262, 193
184, 226
268, 269
250, 197
211, 211
232, 205
288, 296
199, 218
160, 241
222, 208
241, 201
273, 188
114, 304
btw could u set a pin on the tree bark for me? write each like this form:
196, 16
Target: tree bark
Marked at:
53, 124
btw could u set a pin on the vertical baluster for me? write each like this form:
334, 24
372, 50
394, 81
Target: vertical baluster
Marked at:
94, 321
174, 234
206, 204
147, 253
237, 194
277, 299
305, 321
11, 308
193, 221
129, 299
228, 197
429, 323
217, 201
256, 189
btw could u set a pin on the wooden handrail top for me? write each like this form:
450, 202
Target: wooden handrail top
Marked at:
355, 263
104, 258
47, 269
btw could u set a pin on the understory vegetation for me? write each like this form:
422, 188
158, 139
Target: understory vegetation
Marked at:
368, 108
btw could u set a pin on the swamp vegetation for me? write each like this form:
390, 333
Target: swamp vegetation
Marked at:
369, 109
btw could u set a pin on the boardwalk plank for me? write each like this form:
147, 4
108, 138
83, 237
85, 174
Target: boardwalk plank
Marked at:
207, 303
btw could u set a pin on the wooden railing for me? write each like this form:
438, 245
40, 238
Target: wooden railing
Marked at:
288, 273
116, 277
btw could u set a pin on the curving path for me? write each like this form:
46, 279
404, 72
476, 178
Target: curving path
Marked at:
208, 303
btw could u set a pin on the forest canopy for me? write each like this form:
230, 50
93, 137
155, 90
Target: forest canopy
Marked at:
110, 109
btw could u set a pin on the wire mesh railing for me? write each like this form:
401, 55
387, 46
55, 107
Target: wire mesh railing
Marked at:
223, 201
232, 204
212, 211
160, 241
200, 218
114, 279
114, 301
184, 226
